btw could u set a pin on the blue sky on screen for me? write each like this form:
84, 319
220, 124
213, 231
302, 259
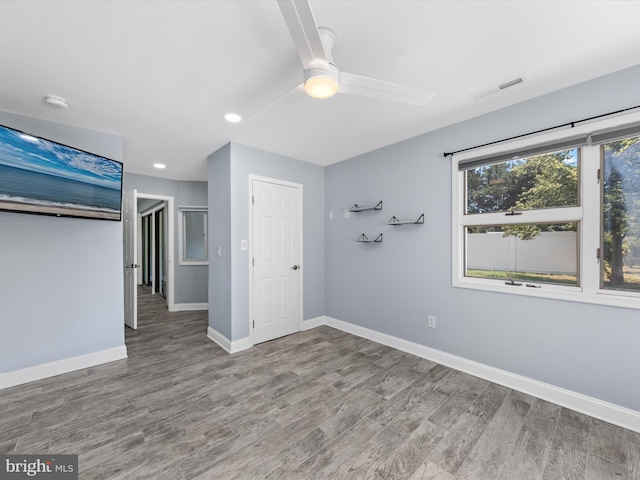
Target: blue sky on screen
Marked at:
42, 156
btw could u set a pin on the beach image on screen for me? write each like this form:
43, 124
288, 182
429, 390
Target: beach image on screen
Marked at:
40, 176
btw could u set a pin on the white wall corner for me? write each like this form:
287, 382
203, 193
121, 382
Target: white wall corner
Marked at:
608, 412
226, 344
188, 307
313, 323
59, 367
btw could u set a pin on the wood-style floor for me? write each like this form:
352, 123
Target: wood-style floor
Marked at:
319, 404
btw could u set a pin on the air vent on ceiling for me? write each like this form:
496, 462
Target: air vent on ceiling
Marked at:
487, 92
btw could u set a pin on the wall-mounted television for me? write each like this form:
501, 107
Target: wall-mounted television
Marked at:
44, 177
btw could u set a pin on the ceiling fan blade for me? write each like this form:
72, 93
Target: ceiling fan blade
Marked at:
292, 96
304, 31
370, 87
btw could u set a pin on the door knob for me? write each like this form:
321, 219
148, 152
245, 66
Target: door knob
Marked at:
295, 267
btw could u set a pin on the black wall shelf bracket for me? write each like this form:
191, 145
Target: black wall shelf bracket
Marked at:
395, 221
357, 208
364, 238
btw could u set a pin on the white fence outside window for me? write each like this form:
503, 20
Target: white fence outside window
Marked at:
548, 252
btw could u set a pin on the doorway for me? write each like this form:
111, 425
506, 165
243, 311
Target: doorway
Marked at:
135, 255
152, 246
276, 267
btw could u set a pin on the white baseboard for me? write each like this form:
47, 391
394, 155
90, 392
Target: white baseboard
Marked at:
313, 323
226, 344
608, 412
58, 367
245, 343
188, 307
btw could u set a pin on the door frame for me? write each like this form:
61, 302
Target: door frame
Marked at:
300, 233
170, 243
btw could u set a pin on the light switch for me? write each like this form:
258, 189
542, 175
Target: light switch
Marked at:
219, 250
243, 245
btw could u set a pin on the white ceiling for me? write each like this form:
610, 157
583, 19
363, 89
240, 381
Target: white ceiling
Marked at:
163, 73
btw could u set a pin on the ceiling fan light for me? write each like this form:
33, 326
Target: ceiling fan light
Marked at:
320, 83
321, 87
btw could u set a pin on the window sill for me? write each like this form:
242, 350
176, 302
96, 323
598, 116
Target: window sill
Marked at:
567, 293
194, 262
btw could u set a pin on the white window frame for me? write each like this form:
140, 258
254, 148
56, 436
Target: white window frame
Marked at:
181, 236
588, 214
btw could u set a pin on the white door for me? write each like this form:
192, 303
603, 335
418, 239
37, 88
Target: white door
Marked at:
129, 217
277, 241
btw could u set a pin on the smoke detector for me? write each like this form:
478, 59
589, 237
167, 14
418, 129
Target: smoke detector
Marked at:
56, 102
495, 89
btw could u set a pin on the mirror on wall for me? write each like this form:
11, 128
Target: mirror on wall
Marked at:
193, 236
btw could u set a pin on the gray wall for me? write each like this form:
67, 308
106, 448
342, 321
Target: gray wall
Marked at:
61, 282
220, 304
244, 161
392, 286
190, 280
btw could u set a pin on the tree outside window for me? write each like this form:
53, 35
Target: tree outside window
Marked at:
540, 182
621, 214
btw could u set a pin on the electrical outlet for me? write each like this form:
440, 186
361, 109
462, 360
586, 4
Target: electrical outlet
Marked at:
331, 215
431, 321
346, 214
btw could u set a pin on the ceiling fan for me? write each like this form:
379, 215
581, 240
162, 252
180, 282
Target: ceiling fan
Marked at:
322, 79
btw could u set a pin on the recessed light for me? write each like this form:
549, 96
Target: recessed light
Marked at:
29, 138
233, 118
57, 102
160, 165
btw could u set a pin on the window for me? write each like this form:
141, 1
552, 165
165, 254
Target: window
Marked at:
540, 253
621, 214
193, 236
508, 247
555, 216
547, 180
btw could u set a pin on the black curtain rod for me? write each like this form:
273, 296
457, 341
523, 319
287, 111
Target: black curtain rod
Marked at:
569, 124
